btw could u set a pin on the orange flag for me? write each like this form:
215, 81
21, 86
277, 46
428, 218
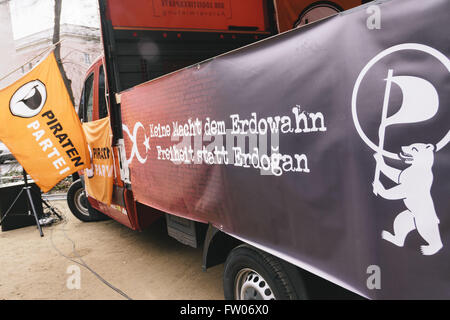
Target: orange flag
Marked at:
40, 127
100, 177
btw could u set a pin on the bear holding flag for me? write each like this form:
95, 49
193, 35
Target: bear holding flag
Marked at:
420, 103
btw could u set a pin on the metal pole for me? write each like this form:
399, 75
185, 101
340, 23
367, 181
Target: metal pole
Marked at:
30, 199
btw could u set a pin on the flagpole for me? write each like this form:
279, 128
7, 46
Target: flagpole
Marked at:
32, 59
382, 129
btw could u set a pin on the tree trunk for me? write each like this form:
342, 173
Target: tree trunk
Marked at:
56, 39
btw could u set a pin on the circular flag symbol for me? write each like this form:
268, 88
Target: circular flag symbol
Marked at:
28, 100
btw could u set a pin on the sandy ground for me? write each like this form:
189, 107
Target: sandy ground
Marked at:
144, 265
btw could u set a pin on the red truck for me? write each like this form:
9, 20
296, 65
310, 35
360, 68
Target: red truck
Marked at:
175, 70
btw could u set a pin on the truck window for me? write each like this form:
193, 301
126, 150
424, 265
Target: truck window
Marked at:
102, 107
88, 98
81, 107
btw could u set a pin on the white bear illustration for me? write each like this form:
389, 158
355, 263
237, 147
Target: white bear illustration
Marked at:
414, 188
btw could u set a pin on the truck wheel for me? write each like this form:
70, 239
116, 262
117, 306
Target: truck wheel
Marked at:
79, 204
251, 274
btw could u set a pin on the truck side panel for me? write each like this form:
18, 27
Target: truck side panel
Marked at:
310, 200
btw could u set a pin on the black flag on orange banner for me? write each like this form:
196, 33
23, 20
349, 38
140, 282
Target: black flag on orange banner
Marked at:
40, 126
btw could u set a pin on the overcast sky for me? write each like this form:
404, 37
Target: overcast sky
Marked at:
31, 16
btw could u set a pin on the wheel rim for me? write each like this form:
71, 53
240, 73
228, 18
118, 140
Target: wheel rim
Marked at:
80, 202
249, 285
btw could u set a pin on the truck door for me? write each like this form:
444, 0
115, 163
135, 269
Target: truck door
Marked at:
94, 106
85, 111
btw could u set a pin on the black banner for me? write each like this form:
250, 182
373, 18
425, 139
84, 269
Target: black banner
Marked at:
325, 146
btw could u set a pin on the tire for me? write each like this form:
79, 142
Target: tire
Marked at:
251, 274
79, 204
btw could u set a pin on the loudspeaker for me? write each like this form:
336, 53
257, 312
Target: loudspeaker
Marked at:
18, 216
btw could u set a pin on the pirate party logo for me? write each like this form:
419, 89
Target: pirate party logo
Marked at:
28, 100
412, 126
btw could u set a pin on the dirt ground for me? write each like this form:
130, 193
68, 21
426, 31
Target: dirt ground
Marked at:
144, 265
